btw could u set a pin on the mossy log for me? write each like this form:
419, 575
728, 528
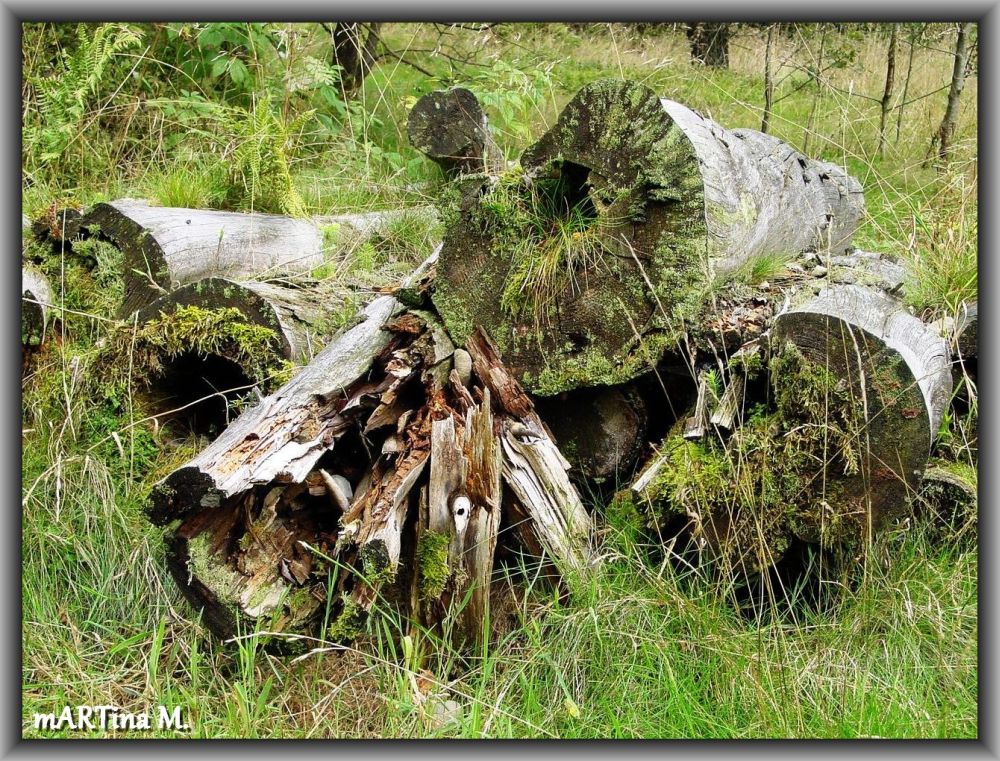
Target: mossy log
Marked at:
594, 257
827, 449
36, 301
165, 248
948, 500
374, 475
451, 129
303, 317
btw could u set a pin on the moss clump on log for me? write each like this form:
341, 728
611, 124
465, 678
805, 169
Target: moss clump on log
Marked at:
790, 470
432, 559
223, 332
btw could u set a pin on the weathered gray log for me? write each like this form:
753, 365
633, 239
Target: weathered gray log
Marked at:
303, 318
856, 388
165, 248
898, 373
36, 301
451, 128
592, 262
283, 437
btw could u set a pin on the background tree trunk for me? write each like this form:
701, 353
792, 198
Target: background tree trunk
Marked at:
709, 43
768, 79
354, 47
886, 103
949, 123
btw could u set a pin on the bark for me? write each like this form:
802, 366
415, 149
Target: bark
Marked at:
949, 124
165, 248
451, 128
660, 199
709, 43
890, 74
36, 301
354, 47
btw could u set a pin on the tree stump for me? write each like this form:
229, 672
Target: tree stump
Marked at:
593, 258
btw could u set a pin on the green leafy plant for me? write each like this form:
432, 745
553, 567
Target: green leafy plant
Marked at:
64, 95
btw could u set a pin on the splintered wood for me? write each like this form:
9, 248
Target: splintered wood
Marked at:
381, 474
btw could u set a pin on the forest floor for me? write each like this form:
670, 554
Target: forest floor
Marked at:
650, 649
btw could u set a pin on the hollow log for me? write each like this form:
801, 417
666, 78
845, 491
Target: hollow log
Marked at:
165, 248
451, 129
594, 258
837, 442
36, 298
599, 431
303, 317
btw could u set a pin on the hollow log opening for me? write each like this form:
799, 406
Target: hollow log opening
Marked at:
201, 392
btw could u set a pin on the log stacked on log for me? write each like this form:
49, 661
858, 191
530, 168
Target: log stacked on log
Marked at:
378, 472
588, 263
392, 466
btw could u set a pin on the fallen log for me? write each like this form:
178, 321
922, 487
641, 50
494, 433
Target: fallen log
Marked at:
592, 260
303, 317
36, 301
451, 129
164, 248
259, 533
832, 446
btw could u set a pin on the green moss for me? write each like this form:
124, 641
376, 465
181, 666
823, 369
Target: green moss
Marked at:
375, 563
432, 559
350, 624
750, 493
213, 572
224, 332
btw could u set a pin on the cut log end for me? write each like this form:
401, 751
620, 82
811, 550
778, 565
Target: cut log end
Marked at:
450, 127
